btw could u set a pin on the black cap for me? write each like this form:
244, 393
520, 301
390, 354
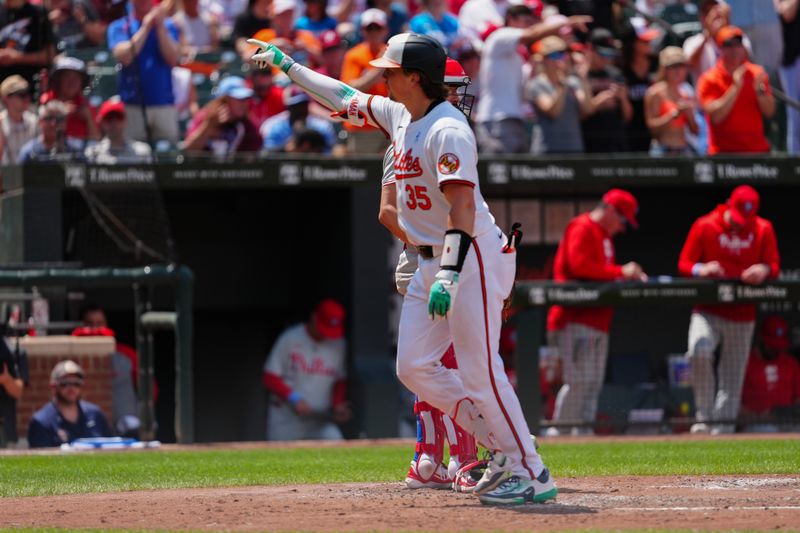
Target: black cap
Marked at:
416, 52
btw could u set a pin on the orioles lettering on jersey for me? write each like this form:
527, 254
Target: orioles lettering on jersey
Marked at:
406, 166
317, 366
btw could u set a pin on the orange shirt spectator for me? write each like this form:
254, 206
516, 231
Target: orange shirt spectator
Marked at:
356, 70
735, 96
302, 45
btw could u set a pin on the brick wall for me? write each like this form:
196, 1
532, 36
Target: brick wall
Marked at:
93, 354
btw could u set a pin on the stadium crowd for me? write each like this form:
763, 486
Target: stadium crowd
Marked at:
98, 78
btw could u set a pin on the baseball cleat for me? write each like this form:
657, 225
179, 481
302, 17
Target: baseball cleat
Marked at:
438, 480
700, 427
468, 476
497, 470
517, 491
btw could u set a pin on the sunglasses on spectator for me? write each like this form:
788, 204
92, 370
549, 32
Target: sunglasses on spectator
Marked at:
373, 27
21, 94
77, 383
555, 56
607, 53
53, 118
733, 41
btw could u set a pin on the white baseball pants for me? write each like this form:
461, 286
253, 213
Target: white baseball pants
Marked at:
474, 329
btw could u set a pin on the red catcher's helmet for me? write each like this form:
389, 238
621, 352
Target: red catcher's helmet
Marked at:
455, 76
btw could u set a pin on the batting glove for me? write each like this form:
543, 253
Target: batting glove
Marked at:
443, 294
270, 55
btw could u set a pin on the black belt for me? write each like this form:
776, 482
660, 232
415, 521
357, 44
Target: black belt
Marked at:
425, 251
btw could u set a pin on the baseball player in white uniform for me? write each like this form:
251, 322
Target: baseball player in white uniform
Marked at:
306, 371
456, 295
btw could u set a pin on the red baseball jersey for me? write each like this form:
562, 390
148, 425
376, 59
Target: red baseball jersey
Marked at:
585, 253
711, 238
770, 384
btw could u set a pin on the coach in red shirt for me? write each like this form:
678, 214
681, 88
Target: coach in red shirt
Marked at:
772, 379
586, 253
735, 95
731, 242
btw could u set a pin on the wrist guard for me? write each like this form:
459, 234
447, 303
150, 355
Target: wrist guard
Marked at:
454, 252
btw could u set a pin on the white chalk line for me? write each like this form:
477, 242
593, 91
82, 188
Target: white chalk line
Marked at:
726, 508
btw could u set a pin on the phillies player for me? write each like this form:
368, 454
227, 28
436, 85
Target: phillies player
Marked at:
433, 427
586, 253
463, 274
772, 379
731, 242
305, 372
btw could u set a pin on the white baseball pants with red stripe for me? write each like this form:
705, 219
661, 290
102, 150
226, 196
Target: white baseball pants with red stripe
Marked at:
474, 329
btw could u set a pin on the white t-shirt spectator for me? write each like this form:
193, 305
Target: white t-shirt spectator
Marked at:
16, 135
501, 77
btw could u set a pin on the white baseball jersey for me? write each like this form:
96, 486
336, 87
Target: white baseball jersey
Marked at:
437, 149
308, 367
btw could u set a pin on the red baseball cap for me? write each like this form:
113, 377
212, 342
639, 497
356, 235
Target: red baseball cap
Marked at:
625, 203
109, 107
329, 319
743, 205
330, 39
726, 33
775, 333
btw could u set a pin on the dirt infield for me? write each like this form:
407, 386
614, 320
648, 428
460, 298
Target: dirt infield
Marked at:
699, 503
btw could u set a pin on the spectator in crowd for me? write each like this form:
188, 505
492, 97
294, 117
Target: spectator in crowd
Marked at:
145, 42
308, 142
306, 374
76, 24
670, 106
51, 143
477, 18
27, 43
254, 19
500, 127
14, 378
68, 80
701, 50
66, 417
302, 45
357, 72
18, 125
199, 30
267, 100
760, 21
436, 21
227, 13
115, 146
638, 71
605, 130
736, 97
223, 126
731, 242
332, 54
316, 18
561, 96
772, 378
280, 132
396, 16
586, 253
790, 69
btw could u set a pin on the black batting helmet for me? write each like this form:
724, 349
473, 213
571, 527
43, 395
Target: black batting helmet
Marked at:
416, 52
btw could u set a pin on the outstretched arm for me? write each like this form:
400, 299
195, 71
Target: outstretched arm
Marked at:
352, 105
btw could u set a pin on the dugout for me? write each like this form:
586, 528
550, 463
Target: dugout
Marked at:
266, 239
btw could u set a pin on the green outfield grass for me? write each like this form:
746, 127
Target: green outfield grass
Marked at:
30, 475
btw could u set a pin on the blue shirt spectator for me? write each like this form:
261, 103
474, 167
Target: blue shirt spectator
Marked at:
48, 427
280, 129
154, 75
436, 22
316, 19
66, 417
396, 15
